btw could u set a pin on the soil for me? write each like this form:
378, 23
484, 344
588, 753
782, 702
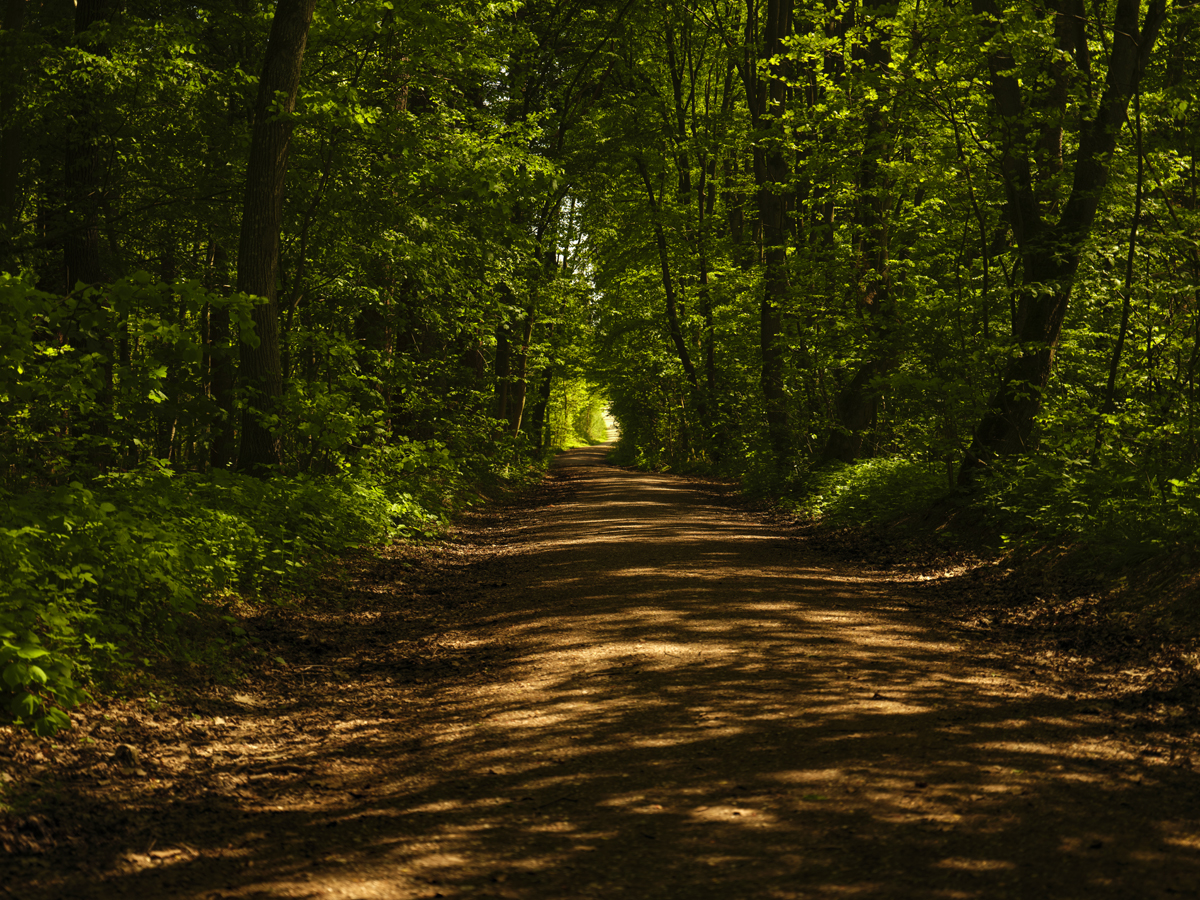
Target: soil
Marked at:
621, 685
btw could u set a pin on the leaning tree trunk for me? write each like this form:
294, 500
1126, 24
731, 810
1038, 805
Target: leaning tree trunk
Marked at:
258, 250
1051, 252
664, 267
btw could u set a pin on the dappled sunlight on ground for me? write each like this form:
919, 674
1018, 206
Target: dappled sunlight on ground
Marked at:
686, 708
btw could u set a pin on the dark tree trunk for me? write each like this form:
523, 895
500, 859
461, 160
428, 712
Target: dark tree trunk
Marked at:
767, 94
858, 403
1051, 252
519, 380
660, 240
10, 137
537, 419
258, 250
1110, 388
734, 202
503, 374
82, 171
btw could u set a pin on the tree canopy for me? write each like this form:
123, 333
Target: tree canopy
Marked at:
261, 247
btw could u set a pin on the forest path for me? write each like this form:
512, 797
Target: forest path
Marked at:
628, 688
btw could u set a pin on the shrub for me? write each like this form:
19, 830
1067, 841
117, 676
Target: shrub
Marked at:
872, 490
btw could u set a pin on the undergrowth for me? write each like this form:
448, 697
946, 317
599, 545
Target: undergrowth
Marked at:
102, 575
1110, 503
870, 490
1112, 516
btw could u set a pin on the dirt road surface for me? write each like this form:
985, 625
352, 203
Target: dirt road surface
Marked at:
625, 688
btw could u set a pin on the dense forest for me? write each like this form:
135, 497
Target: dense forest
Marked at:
280, 279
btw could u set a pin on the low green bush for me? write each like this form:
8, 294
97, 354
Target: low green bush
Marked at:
1111, 501
94, 571
870, 490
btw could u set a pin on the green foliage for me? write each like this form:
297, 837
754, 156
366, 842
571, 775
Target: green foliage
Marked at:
871, 490
470, 260
1113, 502
575, 415
905, 275
87, 378
96, 574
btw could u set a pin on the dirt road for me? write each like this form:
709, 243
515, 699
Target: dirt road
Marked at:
630, 688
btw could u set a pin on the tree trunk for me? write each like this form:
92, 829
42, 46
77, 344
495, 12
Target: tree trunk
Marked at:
858, 403
10, 137
660, 239
1051, 253
767, 94
516, 408
1110, 388
537, 419
262, 216
81, 242
503, 363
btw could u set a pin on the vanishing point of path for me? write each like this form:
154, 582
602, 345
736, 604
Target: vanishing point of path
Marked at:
665, 697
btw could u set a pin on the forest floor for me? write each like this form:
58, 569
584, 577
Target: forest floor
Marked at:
629, 685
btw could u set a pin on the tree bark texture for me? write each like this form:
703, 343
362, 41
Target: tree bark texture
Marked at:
767, 96
1051, 251
262, 219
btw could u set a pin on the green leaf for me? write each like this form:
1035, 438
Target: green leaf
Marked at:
14, 674
25, 705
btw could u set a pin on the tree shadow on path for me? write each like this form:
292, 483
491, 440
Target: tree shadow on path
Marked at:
681, 704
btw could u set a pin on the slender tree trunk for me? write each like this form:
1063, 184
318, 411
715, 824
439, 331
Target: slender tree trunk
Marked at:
767, 93
258, 250
858, 403
734, 202
706, 197
520, 386
503, 373
81, 242
537, 418
660, 239
1110, 389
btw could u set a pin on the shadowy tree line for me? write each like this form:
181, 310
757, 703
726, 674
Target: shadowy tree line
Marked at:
958, 235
